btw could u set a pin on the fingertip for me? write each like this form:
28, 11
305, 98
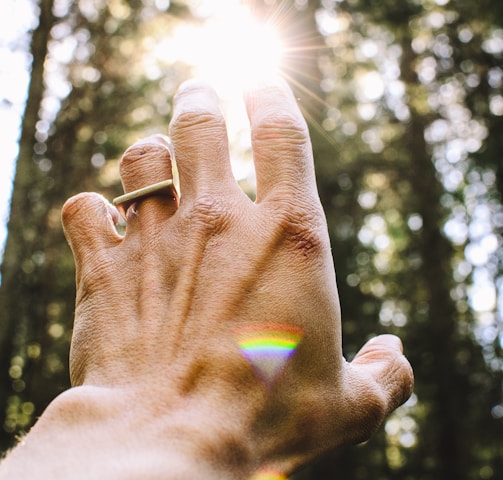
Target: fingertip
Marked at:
268, 97
80, 204
190, 84
89, 218
157, 138
194, 102
386, 341
382, 357
72, 208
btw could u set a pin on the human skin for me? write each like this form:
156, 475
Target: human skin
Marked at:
161, 389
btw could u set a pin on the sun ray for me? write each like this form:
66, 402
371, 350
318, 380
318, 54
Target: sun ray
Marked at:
238, 43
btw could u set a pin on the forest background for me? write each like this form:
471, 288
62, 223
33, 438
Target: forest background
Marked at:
405, 105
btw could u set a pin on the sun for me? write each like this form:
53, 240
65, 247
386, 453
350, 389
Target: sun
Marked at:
240, 49
230, 49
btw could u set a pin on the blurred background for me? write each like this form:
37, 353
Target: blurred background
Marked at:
405, 105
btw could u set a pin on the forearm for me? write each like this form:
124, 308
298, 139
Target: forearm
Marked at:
88, 433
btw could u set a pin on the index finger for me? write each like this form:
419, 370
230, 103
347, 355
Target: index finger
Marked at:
280, 141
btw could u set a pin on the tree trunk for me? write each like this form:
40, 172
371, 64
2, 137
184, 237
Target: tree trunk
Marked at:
24, 226
447, 389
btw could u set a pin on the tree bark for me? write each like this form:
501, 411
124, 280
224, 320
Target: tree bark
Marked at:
24, 230
447, 389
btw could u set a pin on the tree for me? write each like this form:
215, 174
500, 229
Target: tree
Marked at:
17, 265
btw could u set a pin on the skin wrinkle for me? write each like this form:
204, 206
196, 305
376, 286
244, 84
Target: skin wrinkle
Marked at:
282, 189
303, 228
186, 121
289, 130
133, 165
202, 180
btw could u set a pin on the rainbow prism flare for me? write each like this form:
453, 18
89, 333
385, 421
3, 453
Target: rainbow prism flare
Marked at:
268, 347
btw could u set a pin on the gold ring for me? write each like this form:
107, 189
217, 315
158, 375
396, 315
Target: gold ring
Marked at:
125, 201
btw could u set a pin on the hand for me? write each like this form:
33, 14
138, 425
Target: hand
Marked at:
163, 313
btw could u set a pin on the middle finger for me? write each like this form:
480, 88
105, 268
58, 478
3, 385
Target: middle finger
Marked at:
199, 138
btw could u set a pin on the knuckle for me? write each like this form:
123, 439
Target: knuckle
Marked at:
303, 228
368, 414
183, 123
71, 207
77, 209
402, 382
210, 215
287, 126
142, 155
396, 376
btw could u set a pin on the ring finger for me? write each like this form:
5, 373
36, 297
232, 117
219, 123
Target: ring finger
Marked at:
146, 174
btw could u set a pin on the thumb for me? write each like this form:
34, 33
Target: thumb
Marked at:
89, 225
382, 359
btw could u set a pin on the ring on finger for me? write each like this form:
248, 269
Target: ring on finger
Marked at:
123, 202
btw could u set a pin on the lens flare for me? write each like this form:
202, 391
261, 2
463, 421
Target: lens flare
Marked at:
238, 49
269, 475
230, 49
268, 347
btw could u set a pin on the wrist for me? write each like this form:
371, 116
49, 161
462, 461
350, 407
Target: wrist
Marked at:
128, 436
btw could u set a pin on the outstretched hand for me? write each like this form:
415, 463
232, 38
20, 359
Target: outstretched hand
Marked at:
216, 318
